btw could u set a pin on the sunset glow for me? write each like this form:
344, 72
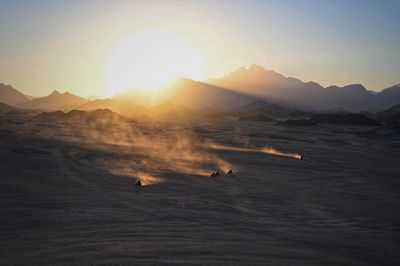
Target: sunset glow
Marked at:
246, 132
150, 58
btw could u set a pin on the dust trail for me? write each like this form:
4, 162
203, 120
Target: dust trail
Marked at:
270, 150
160, 157
146, 151
228, 148
147, 179
267, 150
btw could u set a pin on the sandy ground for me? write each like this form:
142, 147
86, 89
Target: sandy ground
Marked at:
66, 198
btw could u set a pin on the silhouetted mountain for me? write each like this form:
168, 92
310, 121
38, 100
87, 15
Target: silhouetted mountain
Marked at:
4, 108
56, 115
256, 80
186, 92
170, 110
202, 95
390, 117
389, 96
259, 106
247, 90
180, 98
11, 96
344, 119
129, 104
269, 85
257, 117
354, 97
99, 115
391, 114
332, 118
99, 104
292, 92
268, 109
126, 107
55, 101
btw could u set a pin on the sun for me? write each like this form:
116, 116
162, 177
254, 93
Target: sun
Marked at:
150, 58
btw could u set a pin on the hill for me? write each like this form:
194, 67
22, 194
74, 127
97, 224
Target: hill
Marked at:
391, 114
11, 96
390, 117
55, 101
344, 119
99, 115
332, 118
4, 108
389, 97
268, 109
99, 104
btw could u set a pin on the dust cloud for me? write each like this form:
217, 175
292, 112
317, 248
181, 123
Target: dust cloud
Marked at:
148, 151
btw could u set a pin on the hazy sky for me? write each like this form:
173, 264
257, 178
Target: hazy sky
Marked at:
66, 45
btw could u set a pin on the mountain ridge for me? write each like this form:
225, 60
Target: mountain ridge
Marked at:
234, 89
293, 92
55, 101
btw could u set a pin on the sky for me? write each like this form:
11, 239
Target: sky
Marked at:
68, 45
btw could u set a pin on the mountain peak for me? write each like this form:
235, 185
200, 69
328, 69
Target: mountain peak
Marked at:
355, 87
255, 67
55, 92
6, 86
252, 72
56, 101
358, 87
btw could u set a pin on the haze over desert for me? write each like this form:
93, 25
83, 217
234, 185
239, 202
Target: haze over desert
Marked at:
199, 133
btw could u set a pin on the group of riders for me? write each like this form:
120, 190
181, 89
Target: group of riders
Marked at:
230, 172
138, 184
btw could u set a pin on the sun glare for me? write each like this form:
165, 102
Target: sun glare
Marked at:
150, 58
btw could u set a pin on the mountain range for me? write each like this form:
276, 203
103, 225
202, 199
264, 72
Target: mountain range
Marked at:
55, 101
292, 92
246, 87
